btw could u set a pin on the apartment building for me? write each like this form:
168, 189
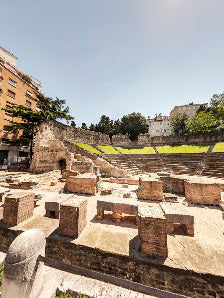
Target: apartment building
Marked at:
15, 87
159, 126
189, 110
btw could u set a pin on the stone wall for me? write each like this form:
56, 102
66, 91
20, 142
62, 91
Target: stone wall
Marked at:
122, 140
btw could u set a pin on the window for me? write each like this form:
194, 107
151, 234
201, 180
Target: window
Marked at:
30, 95
8, 117
11, 94
13, 83
28, 103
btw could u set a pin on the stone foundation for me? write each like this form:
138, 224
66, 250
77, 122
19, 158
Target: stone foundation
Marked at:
124, 181
178, 219
18, 207
73, 217
84, 184
202, 192
152, 230
173, 184
150, 189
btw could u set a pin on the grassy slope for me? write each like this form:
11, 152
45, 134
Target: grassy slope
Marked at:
183, 149
219, 147
108, 149
131, 150
87, 147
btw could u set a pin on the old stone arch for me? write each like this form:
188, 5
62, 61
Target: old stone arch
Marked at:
62, 163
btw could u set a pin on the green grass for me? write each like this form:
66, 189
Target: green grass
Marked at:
183, 149
1, 274
87, 147
108, 149
137, 150
219, 147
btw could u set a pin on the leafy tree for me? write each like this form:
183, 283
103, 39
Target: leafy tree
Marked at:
84, 126
178, 124
27, 120
104, 125
73, 124
92, 127
133, 124
203, 122
217, 106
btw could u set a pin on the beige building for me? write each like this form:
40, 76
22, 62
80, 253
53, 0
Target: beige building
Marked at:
16, 87
189, 109
159, 126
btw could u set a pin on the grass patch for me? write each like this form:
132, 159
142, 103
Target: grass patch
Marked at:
1, 274
108, 149
87, 147
183, 149
137, 150
219, 147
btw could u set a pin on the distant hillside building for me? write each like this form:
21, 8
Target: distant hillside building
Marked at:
159, 126
15, 87
189, 109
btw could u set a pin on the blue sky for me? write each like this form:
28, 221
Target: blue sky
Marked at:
119, 56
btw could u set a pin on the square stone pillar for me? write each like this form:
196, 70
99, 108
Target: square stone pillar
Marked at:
18, 207
73, 217
152, 230
150, 189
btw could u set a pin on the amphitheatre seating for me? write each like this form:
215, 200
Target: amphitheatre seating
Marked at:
214, 165
182, 163
121, 161
147, 162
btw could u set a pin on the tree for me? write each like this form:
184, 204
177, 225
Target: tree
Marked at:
28, 119
92, 127
203, 122
217, 106
73, 124
133, 124
84, 126
178, 124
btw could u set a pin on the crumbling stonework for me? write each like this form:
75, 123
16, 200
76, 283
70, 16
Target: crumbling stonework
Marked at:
178, 219
83, 184
150, 189
67, 173
18, 207
172, 184
73, 217
152, 230
203, 192
128, 181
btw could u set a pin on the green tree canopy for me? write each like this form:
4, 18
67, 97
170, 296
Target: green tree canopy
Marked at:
27, 120
84, 126
133, 124
203, 122
178, 124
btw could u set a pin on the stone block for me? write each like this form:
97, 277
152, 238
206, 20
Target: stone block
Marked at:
73, 217
107, 191
173, 184
152, 230
127, 195
202, 192
83, 184
18, 207
150, 189
124, 185
67, 173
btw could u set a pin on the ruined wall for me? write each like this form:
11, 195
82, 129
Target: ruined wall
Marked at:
122, 140
160, 276
55, 130
180, 140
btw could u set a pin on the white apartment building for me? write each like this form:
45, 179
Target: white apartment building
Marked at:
159, 126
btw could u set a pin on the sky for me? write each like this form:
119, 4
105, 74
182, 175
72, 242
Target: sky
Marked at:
119, 56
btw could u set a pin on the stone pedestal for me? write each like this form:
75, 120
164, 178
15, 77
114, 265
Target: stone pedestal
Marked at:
202, 192
83, 184
18, 207
152, 230
73, 217
150, 189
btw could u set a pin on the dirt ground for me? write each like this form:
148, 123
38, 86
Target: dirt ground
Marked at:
202, 253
